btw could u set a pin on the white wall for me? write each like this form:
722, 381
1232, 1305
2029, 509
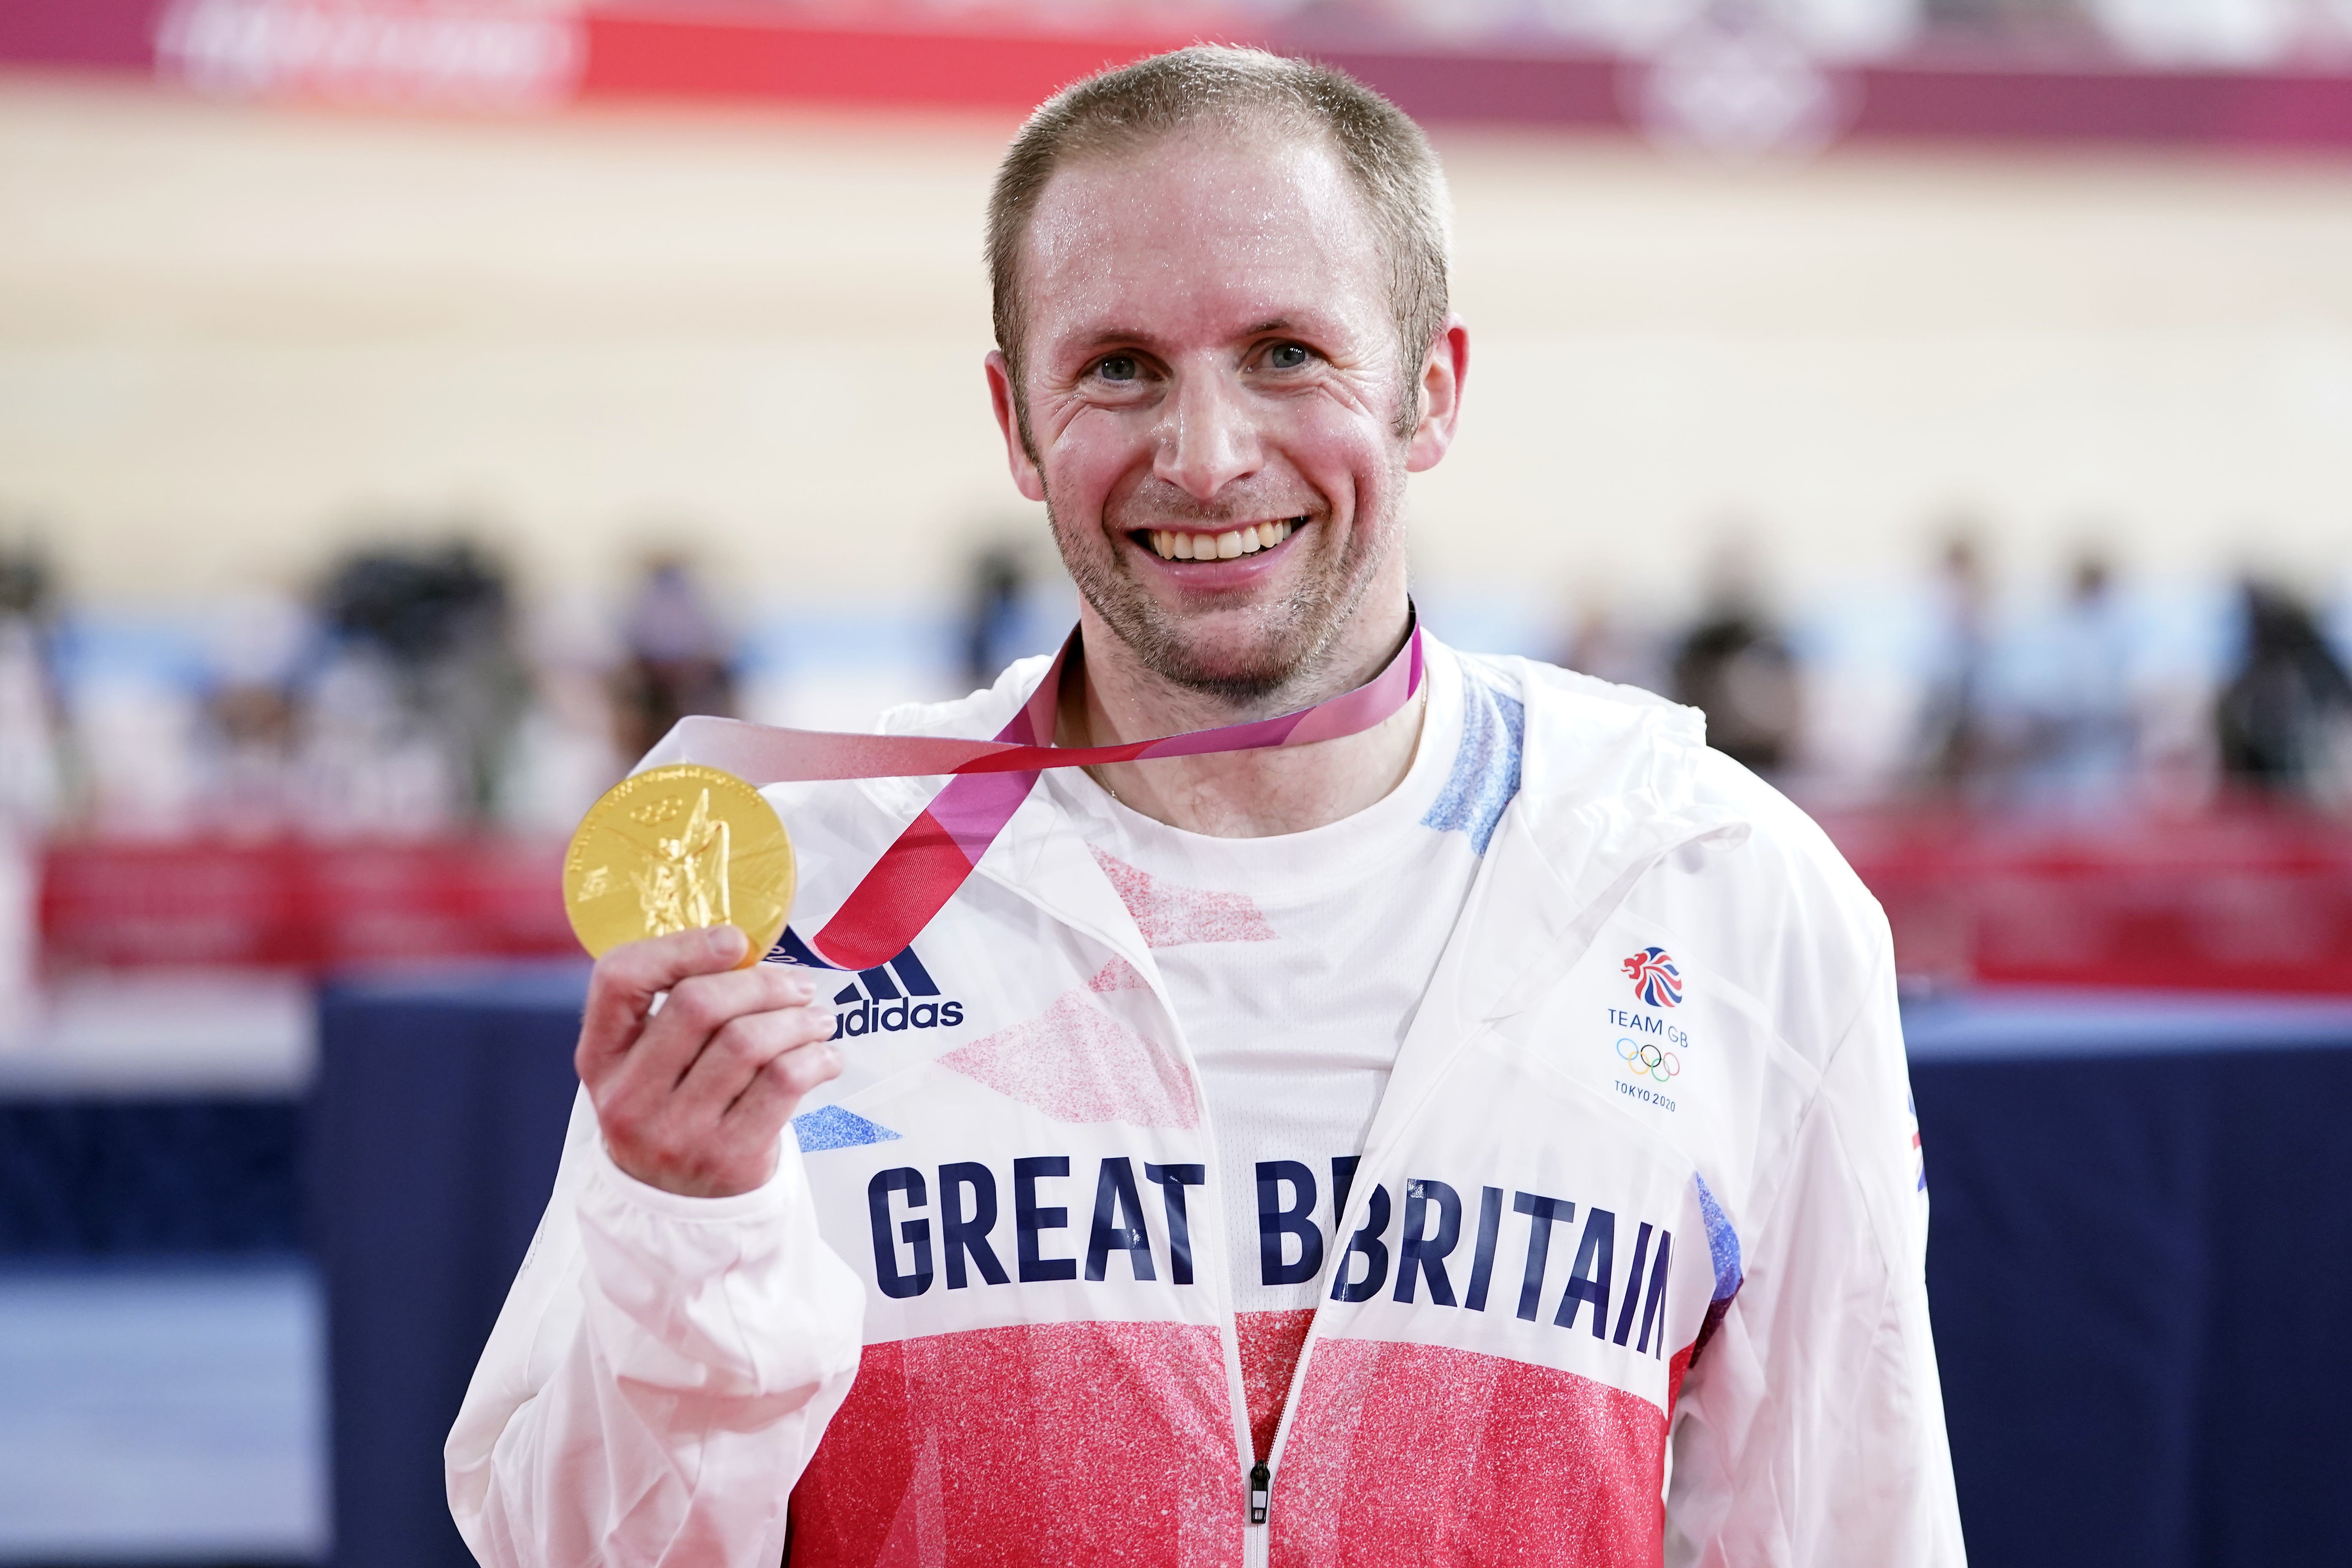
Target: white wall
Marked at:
231, 335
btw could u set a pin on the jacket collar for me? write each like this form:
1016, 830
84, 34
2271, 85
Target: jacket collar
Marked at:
1609, 786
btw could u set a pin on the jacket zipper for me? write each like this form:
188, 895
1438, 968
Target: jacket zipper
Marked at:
1259, 1475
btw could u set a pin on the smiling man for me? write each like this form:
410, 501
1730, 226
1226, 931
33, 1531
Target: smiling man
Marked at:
1478, 1135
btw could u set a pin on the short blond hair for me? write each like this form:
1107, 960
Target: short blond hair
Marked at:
1117, 112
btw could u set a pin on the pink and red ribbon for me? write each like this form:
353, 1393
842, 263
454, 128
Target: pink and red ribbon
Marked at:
922, 870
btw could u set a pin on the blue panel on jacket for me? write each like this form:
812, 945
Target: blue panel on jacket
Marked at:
833, 1128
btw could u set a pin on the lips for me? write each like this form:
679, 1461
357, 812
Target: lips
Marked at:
1183, 545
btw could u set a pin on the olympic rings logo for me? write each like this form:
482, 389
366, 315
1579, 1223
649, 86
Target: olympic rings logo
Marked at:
1643, 1056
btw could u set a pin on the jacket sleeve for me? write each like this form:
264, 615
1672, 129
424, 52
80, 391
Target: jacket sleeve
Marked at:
1812, 1428
661, 1373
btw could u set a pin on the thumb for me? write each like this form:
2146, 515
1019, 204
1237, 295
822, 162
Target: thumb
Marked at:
621, 988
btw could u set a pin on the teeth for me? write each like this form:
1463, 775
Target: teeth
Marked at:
1174, 544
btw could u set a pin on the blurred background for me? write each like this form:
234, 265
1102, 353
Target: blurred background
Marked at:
409, 407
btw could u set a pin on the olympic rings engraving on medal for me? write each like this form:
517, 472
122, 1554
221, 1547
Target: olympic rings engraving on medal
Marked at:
1647, 1059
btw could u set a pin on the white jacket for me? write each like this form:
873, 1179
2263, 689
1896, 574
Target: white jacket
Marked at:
1627, 1279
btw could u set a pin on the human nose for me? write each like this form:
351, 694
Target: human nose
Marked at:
1208, 440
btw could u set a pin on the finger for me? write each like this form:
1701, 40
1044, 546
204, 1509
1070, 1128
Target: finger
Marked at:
695, 1010
771, 1096
621, 988
739, 1050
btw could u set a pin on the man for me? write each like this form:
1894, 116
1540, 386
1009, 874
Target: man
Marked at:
1482, 1138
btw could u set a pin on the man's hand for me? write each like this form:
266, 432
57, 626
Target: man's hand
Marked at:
692, 1098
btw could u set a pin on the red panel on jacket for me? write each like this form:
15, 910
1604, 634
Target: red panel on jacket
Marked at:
1270, 1343
1053, 1442
1412, 1454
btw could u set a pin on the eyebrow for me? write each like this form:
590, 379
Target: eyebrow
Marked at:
1114, 335
1094, 341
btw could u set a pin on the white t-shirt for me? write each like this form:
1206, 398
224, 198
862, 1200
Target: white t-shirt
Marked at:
1295, 964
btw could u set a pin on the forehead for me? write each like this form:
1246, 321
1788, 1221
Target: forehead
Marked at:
1200, 233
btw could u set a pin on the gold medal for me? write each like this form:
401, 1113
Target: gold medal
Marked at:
672, 848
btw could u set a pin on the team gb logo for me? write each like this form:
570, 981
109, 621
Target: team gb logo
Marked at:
1656, 979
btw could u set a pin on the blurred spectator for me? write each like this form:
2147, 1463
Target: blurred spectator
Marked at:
2083, 732
365, 765
2285, 719
995, 616
257, 655
1734, 666
138, 727
1955, 734
1603, 644
410, 719
2027, 25
566, 753
679, 658
30, 780
28, 774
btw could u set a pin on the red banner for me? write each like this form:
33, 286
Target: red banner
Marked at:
2247, 900
292, 904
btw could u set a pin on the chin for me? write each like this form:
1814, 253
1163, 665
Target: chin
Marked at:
1240, 654
1237, 674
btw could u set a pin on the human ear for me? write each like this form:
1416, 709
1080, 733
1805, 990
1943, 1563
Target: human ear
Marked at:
1442, 373
1017, 456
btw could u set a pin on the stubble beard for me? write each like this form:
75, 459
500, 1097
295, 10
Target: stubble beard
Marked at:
1289, 647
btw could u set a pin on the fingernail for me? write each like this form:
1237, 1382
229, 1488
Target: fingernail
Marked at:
802, 991
727, 942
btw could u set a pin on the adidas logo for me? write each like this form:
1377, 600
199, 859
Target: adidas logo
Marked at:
887, 998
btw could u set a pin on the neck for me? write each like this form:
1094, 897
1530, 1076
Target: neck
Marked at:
1243, 794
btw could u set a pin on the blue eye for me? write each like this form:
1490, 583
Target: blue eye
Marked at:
1118, 367
1286, 356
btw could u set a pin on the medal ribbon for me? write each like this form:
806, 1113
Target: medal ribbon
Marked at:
922, 870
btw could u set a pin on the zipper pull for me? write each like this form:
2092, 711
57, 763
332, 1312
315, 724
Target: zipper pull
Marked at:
1261, 1481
